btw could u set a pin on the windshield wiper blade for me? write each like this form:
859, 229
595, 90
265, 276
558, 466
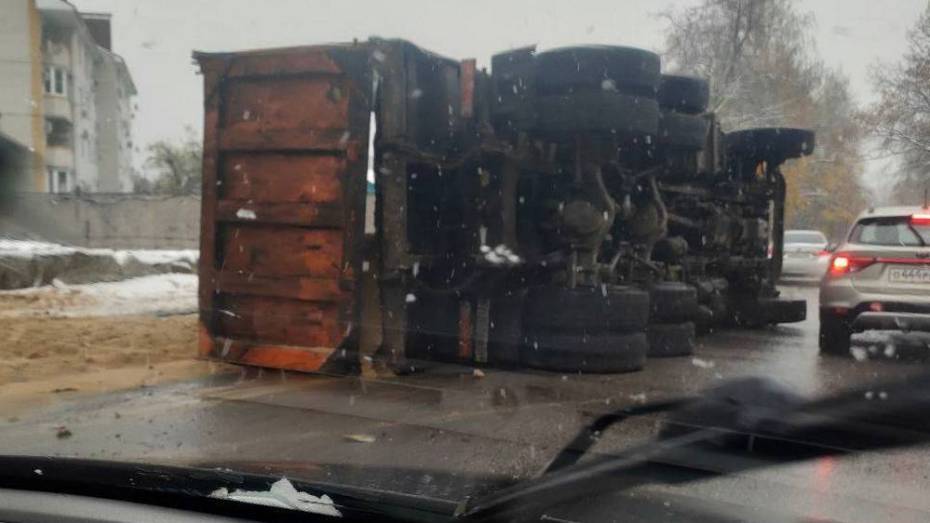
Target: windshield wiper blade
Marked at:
753, 423
590, 433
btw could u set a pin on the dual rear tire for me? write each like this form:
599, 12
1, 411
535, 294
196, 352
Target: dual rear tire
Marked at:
586, 329
671, 330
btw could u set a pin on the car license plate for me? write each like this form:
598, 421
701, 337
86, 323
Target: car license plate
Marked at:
909, 275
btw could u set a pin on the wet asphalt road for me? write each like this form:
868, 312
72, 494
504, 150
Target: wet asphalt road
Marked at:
504, 423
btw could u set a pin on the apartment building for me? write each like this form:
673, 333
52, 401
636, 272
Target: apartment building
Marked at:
66, 97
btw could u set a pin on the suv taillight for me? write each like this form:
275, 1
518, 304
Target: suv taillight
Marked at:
920, 219
845, 263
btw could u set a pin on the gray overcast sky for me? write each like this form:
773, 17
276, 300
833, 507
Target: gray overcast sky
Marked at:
156, 37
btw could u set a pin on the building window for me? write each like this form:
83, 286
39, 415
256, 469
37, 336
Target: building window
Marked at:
55, 80
58, 132
60, 180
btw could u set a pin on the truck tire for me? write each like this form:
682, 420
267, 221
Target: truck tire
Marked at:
672, 302
834, 335
785, 311
605, 112
586, 309
597, 68
769, 143
682, 131
684, 94
671, 339
594, 353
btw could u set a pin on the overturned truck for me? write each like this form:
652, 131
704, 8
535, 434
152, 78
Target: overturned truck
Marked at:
573, 209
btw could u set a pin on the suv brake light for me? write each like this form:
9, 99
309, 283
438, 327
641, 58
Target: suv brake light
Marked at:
920, 219
845, 263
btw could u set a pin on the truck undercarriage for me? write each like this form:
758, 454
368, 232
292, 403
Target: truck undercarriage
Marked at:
572, 210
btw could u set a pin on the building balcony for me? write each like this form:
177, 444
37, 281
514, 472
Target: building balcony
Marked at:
57, 54
57, 106
59, 156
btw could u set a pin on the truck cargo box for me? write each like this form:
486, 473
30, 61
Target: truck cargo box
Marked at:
284, 182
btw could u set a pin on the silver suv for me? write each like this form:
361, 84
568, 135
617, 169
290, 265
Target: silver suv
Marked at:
879, 278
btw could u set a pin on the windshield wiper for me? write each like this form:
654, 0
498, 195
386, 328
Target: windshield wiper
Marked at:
744, 425
591, 433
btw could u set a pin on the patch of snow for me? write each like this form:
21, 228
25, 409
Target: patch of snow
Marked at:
704, 364
156, 256
500, 255
155, 294
872, 336
31, 249
245, 214
859, 353
494, 258
282, 494
360, 438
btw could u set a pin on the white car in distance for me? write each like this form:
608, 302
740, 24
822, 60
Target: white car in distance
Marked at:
805, 254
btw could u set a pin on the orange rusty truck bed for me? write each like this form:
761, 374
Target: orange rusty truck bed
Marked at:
284, 166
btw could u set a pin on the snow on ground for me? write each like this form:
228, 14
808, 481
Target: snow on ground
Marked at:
29, 248
156, 294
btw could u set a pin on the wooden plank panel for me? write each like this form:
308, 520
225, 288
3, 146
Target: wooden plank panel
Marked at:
247, 139
280, 251
276, 320
305, 359
311, 289
305, 214
286, 144
286, 103
275, 177
210, 166
283, 61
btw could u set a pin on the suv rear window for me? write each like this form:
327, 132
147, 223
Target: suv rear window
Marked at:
804, 237
896, 230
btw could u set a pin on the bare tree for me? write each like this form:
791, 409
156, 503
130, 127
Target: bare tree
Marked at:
755, 54
142, 185
901, 117
764, 71
177, 165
